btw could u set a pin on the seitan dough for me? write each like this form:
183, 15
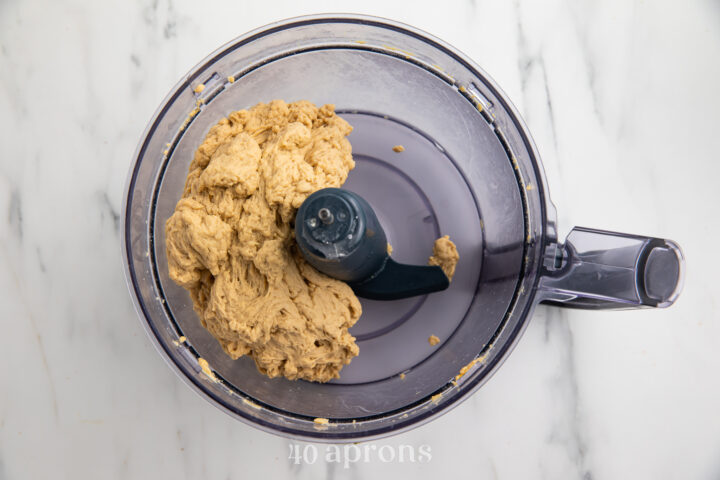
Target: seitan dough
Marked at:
445, 255
230, 240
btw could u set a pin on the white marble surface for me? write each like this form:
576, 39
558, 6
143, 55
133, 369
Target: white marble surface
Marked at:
622, 98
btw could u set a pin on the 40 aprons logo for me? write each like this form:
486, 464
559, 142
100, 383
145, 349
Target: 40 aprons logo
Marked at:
350, 454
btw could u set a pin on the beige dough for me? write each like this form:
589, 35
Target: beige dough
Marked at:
230, 240
445, 255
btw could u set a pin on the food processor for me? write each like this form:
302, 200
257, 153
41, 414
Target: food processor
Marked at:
469, 169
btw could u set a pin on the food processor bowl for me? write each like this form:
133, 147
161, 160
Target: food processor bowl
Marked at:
469, 170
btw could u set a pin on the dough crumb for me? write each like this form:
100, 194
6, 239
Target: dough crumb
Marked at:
433, 340
389, 249
402, 376
182, 339
436, 398
206, 369
199, 88
398, 148
231, 79
445, 255
251, 404
321, 421
230, 240
471, 364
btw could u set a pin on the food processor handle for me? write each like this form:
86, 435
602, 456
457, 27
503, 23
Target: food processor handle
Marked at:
596, 269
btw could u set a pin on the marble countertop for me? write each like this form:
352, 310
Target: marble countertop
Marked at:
622, 99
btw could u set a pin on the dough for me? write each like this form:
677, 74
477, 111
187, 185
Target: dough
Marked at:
445, 255
230, 240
